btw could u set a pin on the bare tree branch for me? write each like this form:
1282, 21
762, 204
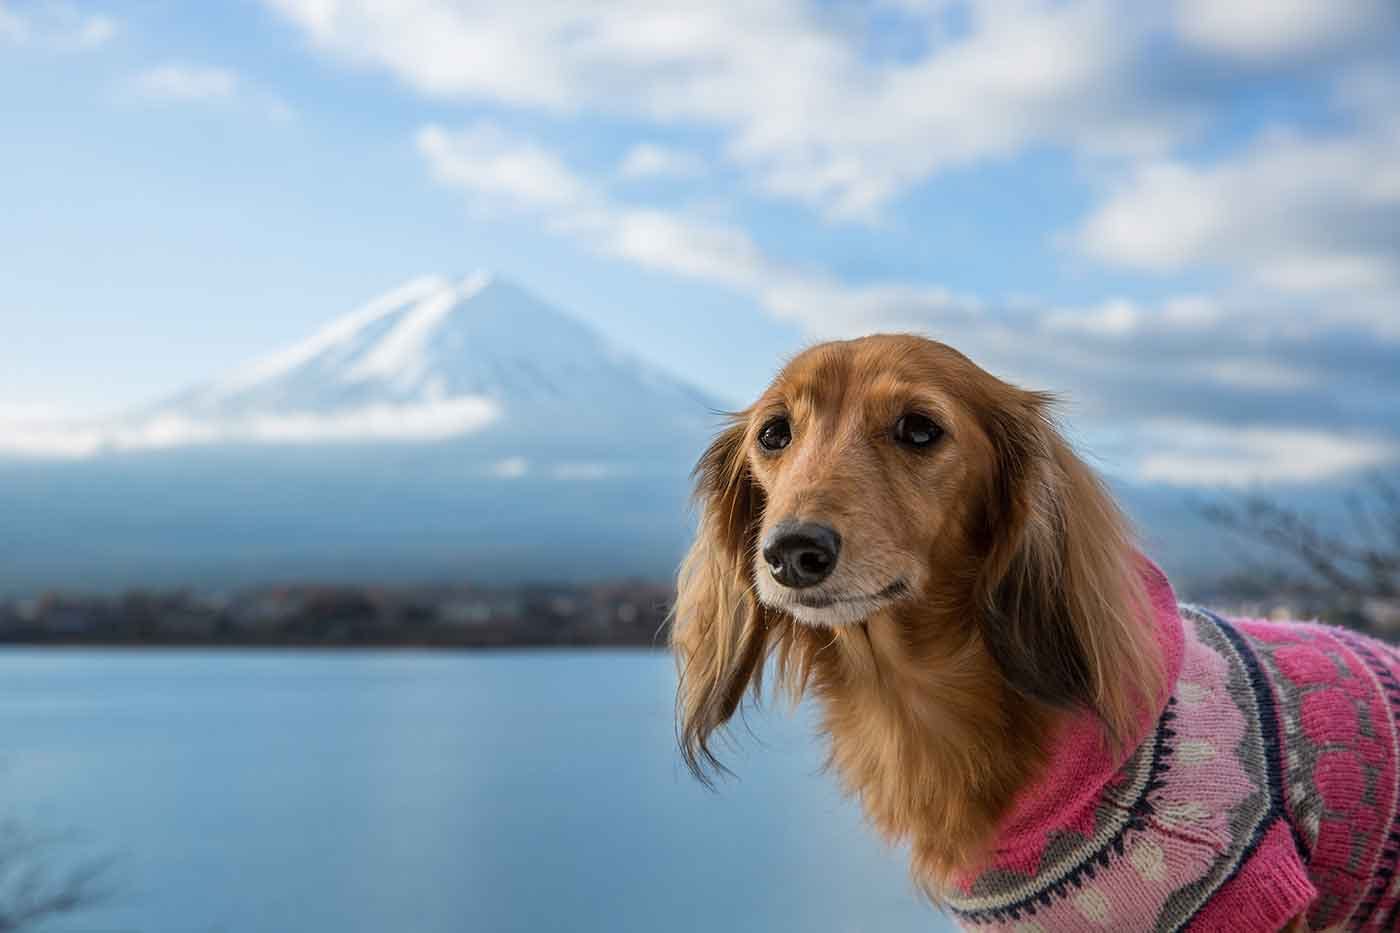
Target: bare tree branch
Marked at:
1343, 572
31, 892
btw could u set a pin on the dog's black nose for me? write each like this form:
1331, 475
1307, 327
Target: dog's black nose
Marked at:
801, 554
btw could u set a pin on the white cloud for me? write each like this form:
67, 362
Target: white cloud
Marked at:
571, 471
1111, 319
585, 471
1260, 374
510, 468
1368, 92
12, 28
13, 414
187, 83
278, 109
176, 82
56, 25
1188, 453
799, 104
1291, 215
484, 160
1119, 318
94, 31
672, 243
1264, 30
418, 421
496, 170
649, 160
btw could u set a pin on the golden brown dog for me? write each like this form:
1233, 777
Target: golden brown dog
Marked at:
910, 540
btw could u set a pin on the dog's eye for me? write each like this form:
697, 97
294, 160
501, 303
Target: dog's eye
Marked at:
775, 435
916, 431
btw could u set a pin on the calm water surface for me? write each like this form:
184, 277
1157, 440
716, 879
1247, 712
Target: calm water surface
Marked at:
320, 792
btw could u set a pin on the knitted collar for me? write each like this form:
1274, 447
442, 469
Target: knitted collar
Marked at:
1081, 763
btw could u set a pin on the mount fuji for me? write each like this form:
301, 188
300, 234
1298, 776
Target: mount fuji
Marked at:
446, 430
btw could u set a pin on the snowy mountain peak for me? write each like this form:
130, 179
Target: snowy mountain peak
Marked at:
399, 356
426, 339
429, 360
337, 333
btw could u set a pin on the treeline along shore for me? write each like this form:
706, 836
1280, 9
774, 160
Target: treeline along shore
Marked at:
604, 614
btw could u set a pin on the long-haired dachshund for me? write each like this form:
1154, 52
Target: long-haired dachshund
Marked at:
1008, 686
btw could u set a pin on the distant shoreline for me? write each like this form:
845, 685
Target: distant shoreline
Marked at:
625, 614
338, 647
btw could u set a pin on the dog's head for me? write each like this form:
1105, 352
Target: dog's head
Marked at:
870, 461
890, 474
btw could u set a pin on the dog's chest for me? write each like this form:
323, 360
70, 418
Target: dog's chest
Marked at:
1267, 789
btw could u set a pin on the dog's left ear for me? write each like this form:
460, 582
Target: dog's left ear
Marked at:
1065, 611
720, 630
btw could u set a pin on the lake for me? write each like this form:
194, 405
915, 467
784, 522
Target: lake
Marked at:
413, 791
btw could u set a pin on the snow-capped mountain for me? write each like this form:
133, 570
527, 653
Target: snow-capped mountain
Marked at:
481, 347
445, 429
431, 360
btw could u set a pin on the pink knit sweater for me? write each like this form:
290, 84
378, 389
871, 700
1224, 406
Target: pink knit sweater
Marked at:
1263, 788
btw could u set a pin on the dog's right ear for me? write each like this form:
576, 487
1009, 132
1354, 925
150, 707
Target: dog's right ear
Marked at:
719, 629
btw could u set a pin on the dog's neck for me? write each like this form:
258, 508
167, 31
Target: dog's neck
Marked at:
938, 747
927, 734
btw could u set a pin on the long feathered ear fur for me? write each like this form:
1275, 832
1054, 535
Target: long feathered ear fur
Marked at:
719, 629
1064, 605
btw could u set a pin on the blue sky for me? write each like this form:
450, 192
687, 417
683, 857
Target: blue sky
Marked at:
1185, 216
